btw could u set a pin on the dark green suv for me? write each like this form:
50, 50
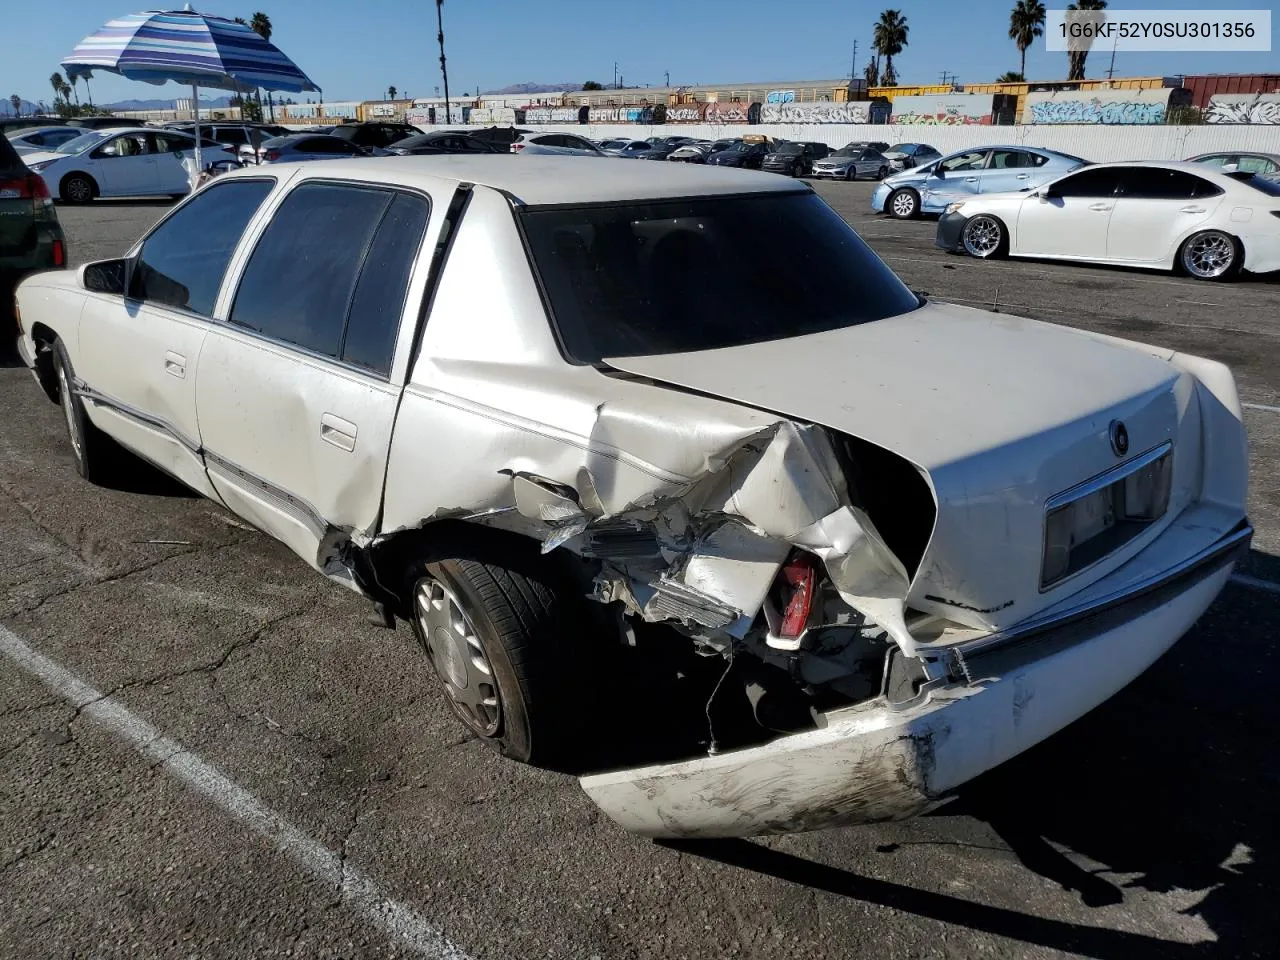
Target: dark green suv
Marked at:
30, 235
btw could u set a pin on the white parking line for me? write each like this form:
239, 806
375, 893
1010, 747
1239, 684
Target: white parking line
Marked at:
361, 894
1260, 406
1270, 586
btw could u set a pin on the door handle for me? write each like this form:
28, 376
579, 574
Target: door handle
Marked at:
175, 364
1192, 209
341, 433
1100, 206
1024, 176
970, 179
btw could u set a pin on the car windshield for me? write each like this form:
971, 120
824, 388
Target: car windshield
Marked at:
852, 150
614, 144
1269, 184
82, 143
903, 148
631, 279
791, 149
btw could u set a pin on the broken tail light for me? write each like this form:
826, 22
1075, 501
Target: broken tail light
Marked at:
799, 579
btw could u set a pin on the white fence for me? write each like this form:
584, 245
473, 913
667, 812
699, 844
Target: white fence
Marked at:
1097, 143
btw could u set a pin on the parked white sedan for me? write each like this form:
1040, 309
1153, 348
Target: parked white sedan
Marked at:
133, 162
556, 144
922, 537
1157, 216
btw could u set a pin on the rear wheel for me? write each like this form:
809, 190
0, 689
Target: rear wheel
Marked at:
903, 204
497, 632
1210, 255
984, 237
77, 188
882, 173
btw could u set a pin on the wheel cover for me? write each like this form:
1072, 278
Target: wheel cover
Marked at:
73, 428
78, 189
904, 205
981, 237
1209, 255
459, 657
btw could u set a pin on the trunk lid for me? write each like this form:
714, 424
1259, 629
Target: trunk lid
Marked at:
1001, 413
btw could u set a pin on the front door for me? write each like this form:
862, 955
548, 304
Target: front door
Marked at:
294, 393
137, 355
125, 167
1069, 217
1155, 208
172, 151
954, 178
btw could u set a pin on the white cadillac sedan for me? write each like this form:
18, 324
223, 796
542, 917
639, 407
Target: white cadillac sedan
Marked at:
1209, 223
921, 537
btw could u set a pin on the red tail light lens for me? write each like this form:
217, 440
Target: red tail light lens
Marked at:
271, 156
30, 187
517, 147
59, 253
800, 577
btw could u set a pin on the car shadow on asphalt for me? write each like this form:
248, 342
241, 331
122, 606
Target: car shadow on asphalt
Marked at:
1170, 786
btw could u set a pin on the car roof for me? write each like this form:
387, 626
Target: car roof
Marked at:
538, 180
1239, 153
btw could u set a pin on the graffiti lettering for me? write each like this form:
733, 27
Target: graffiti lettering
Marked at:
780, 96
551, 115
1262, 109
685, 113
948, 119
854, 111
727, 113
1094, 110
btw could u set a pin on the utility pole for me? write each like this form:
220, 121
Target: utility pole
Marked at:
1112, 69
667, 75
444, 74
853, 63
615, 74
948, 78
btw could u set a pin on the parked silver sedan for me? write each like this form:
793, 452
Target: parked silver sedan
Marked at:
1267, 164
309, 146
41, 139
852, 162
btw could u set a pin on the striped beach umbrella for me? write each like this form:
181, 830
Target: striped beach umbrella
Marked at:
186, 47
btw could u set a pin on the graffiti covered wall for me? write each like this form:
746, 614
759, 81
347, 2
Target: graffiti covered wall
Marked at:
1243, 108
821, 111
551, 115
1098, 106
727, 113
944, 109
686, 113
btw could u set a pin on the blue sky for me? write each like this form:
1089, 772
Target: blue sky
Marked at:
354, 50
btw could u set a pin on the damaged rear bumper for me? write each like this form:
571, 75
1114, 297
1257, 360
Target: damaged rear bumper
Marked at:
875, 761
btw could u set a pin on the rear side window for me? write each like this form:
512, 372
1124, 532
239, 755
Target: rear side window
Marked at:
331, 271
1154, 183
183, 261
631, 279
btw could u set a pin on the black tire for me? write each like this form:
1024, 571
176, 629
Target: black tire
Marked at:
77, 188
851, 173
522, 616
903, 204
882, 173
1211, 255
984, 237
96, 454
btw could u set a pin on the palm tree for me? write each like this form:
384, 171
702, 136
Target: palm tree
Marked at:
391, 93
872, 72
444, 73
56, 81
889, 39
1076, 57
1011, 77
15, 101
1026, 22
261, 25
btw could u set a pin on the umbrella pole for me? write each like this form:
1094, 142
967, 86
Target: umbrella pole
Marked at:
195, 105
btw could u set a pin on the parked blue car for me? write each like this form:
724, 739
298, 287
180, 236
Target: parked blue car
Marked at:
929, 188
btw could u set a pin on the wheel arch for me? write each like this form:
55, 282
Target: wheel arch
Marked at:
1174, 260
44, 338
93, 181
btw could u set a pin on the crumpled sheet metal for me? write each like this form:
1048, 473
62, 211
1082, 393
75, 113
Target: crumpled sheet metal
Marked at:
724, 535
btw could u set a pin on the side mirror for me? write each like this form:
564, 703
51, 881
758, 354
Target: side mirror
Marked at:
939, 172
1046, 195
106, 276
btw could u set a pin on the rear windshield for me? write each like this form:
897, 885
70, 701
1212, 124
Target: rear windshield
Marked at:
675, 276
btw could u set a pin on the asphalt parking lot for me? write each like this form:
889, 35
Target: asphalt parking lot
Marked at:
207, 751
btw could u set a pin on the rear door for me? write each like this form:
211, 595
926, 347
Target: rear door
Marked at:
1155, 208
172, 150
1008, 171
297, 392
137, 355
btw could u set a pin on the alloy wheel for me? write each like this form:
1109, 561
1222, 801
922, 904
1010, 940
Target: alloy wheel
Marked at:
1209, 255
982, 237
459, 657
904, 204
68, 410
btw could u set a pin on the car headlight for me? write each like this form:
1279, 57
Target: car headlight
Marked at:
43, 164
953, 207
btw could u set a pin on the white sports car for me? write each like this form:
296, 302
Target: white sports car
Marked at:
919, 538
1154, 215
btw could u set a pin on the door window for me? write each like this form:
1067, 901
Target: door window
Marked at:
129, 145
1089, 183
325, 276
1257, 165
973, 160
1157, 183
175, 142
1014, 159
1218, 160
183, 261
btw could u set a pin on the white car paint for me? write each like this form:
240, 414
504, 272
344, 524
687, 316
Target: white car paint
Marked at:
156, 169
555, 144
1134, 231
735, 451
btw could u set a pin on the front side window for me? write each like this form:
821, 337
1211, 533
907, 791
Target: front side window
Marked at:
331, 271
973, 160
630, 279
129, 145
1089, 183
182, 263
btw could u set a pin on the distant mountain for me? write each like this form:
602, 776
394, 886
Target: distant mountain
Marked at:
165, 104
535, 88
6, 108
